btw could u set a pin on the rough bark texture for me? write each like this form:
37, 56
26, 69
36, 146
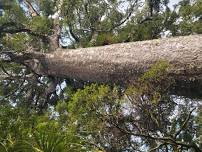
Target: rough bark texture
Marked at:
126, 61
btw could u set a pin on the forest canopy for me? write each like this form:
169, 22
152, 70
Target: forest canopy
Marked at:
50, 104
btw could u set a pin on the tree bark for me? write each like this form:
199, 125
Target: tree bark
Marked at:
126, 61
120, 63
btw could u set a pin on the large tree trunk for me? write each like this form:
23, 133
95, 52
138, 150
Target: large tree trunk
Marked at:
126, 61
123, 62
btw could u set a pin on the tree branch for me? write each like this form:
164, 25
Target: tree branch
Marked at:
31, 9
13, 28
157, 147
184, 124
76, 38
131, 9
167, 140
121, 63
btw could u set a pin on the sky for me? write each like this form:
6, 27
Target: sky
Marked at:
173, 2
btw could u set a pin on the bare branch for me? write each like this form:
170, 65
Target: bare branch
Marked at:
76, 38
131, 9
157, 147
184, 123
167, 140
31, 9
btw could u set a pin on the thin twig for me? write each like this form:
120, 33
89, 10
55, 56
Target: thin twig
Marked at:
32, 10
184, 123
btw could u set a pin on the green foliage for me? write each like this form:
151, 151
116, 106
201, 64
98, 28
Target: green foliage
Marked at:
17, 42
87, 111
105, 39
48, 137
61, 108
41, 25
157, 71
191, 17
154, 83
47, 7
15, 13
90, 100
15, 129
93, 117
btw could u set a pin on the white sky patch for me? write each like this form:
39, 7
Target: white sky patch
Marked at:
173, 2
54, 16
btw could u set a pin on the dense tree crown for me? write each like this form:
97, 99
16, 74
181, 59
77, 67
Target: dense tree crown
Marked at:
41, 112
